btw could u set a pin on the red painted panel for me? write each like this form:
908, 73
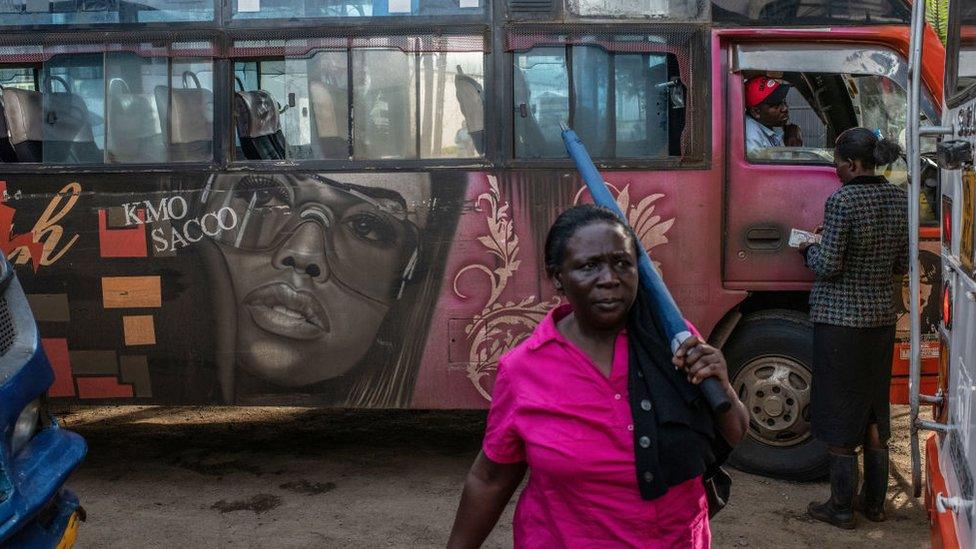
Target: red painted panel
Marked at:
942, 526
102, 387
898, 393
121, 242
57, 354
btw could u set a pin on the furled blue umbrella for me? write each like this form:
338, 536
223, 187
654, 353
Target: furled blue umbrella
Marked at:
665, 309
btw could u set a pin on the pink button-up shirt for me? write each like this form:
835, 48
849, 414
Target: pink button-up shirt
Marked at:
555, 410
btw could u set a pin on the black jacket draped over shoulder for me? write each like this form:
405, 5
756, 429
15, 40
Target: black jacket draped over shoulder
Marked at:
675, 435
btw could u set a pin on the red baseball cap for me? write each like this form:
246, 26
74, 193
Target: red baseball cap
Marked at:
763, 89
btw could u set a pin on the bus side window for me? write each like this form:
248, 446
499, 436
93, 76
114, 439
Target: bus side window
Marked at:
7, 153
186, 112
11, 78
73, 98
328, 94
404, 104
384, 99
111, 106
623, 105
134, 132
25, 115
541, 102
452, 106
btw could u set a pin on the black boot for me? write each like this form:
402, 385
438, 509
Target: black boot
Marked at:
839, 509
874, 491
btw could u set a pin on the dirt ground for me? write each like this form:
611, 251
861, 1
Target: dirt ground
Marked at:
272, 477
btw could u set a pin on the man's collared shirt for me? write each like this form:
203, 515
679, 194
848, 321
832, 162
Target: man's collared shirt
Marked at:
760, 137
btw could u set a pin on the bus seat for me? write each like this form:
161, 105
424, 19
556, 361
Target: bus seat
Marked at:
258, 125
470, 96
190, 115
24, 115
7, 153
134, 133
67, 130
330, 107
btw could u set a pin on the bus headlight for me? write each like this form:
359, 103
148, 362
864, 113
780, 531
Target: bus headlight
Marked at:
26, 426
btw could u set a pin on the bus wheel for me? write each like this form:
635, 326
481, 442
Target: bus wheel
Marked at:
770, 366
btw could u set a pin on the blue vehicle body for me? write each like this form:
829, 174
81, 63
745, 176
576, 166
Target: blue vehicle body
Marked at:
34, 508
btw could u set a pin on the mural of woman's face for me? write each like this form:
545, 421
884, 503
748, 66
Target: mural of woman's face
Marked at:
315, 266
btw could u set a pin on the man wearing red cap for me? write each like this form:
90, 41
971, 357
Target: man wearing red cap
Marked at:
767, 115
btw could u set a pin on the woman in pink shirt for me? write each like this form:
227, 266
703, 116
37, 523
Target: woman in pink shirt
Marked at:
612, 428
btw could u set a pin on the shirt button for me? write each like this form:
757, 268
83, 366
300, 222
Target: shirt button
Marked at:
644, 442
640, 374
630, 427
616, 396
648, 476
646, 405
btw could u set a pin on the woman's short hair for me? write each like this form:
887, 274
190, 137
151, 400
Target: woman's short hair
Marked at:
865, 145
572, 220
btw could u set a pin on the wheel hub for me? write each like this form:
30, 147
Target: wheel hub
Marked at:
773, 406
776, 391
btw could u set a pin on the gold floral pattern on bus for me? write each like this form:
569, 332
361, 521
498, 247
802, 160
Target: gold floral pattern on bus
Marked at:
650, 229
499, 326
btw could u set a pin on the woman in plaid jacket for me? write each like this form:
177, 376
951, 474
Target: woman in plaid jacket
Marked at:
864, 244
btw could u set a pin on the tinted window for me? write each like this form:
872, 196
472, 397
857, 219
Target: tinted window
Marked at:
624, 105
657, 9
121, 103
45, 12
384, 100
362, 103
73, 101
287, 9
811, 12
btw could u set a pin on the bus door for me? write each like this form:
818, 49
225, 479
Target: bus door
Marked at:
772, 190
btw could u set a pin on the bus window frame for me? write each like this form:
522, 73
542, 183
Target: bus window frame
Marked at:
102, 38
217, 22
482, 162
223, 141
952, 48
223, 22
699, 50
356, 25
751, 57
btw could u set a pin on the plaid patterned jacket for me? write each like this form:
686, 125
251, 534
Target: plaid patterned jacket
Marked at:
865, 243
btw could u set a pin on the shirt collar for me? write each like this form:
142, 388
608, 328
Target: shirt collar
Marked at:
548, 332
766, 130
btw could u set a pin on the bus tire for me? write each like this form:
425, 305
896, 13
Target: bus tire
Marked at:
770, 359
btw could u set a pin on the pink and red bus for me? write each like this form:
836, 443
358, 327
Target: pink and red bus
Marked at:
343, 203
